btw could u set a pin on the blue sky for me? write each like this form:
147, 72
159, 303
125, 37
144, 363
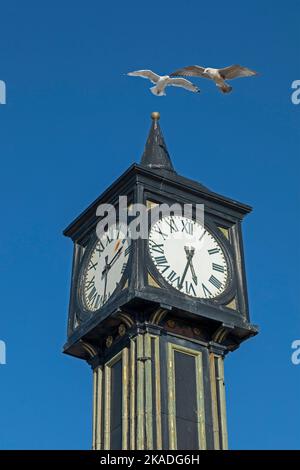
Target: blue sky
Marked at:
73, 122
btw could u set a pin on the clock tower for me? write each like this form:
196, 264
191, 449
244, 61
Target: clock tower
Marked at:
154, 316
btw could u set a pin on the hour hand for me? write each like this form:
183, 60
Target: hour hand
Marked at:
195, 279
189, 254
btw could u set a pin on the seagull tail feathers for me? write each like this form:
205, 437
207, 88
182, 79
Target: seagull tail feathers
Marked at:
224, 88
157, 92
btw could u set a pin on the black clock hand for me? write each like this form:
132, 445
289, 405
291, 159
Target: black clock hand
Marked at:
112, 261
105, 275
189, 255
195, 279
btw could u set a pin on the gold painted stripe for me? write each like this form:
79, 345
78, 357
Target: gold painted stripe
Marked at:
98, 415
171, 398
157, 393
148, 392
132, 394
222, 411
140, 393
216, 431
200, 402
107, 408
125, 399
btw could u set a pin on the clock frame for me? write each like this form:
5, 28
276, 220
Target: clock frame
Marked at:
229, 292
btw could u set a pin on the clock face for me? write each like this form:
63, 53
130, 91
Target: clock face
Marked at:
188, 257
104, 268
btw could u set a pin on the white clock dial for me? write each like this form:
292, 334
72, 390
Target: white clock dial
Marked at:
188, 257
104, 268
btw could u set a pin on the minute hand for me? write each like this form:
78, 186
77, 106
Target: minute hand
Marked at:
193, 272
189, 255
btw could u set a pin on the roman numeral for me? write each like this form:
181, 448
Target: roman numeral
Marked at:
123, 268
128, 250
108, 240
92, 295
100, 247
158, 230
218, 267
172, 225
158, 247
189, 288
206, 291
96, 302
92, 265
213, 251
215, 282
187, 227
89, 284
202, 235
173, 277
162, 262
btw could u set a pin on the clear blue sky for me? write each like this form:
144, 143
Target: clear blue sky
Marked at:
73, 122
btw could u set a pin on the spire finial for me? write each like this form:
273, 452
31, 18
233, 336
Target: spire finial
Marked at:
156, 155
155, 116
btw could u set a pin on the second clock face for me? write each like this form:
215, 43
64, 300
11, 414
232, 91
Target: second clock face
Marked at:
188, 257
104, 268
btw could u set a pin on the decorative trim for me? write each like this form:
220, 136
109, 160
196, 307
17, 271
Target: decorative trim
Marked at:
221, 333
214, 402
152, 282
222, 400
232, 304
126, 318
97, 408
148, 393
158, 316
89, 348
107, 398
132, 393
157, 393
140, 393
125, 399
172, 395
225, 232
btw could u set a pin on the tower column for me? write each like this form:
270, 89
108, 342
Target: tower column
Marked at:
156, 390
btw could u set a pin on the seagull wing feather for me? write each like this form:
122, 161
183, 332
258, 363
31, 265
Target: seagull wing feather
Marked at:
153, 77
190, 71
236, 71
182, 82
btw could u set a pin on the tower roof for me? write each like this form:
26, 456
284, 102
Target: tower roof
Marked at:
156, 155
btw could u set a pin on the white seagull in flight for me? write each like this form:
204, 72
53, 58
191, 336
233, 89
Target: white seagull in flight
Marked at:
217, 75
161, 82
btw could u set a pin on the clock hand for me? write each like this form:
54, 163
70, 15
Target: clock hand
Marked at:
112, 261
189, 255
105, 275
193, 272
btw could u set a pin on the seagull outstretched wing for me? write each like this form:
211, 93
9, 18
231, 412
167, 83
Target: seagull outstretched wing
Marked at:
190, 71
236, 71
183, 83
153, 77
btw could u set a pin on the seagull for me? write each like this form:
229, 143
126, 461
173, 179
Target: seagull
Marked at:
217, 75
161, 82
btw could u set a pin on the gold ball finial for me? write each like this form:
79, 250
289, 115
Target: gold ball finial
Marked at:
155, 115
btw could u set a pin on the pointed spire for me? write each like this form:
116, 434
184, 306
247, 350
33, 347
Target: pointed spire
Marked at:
156, 155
